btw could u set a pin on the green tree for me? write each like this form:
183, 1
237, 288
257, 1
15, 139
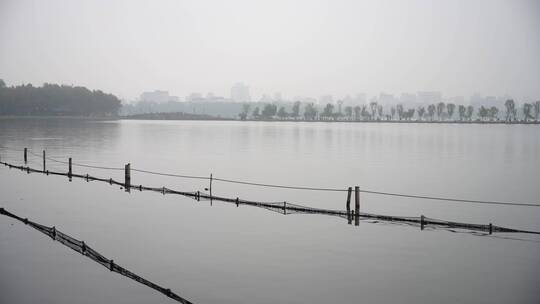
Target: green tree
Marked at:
527, 109
310, 111
256, 113
492, 113
328, 110
348, 112
269, 111
483, 113
421, 111
380, 111
510, 109
399, 109
52, 99
431, 111
282, 114
357, 112
450, 108
373, 107
462, 111
536, 110
296, 109
470, 111
440, 110
245, 110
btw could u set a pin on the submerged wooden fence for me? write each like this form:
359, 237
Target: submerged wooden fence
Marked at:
83, 248
280, 207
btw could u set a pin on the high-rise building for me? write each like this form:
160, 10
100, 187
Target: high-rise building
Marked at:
386, 99
429, 97
240, 93
325, 99
155, 96
407, 98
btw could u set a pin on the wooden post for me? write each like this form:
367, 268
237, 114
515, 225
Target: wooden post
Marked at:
356, 205
25, 155
285, 208
237, 202
422, 222
490, 228
43, 161
127, 177
210, 189
349, 192
70, 172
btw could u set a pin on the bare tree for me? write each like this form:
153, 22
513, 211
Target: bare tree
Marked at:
440, 110
510, 109
450, 108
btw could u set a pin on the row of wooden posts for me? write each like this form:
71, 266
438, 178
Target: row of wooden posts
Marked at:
127, 186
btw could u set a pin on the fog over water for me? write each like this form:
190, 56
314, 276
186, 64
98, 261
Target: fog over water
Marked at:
308, 48
225, 254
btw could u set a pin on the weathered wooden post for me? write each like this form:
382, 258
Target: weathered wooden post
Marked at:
349, 192
237, 202
70, 171
490, 228
422, 222
356, 205
43, 161
25, 155
210, 189
127, 177
285, 208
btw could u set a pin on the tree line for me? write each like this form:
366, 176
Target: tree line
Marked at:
56, 100
373, 111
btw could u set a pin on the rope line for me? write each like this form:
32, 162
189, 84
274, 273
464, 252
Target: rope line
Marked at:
82, 248
291, 208
170, 174
451, 199
457, 200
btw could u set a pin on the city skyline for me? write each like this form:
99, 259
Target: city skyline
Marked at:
317, 47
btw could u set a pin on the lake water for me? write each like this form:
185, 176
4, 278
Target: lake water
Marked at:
224, 254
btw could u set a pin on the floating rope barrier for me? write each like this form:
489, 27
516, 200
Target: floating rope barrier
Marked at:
83, 248
287, 207
325, 189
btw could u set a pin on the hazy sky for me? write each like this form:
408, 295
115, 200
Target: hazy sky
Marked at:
306, 47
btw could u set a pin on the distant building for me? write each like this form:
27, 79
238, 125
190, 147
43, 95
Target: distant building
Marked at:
325, 99
407, 98
240, 93
194, 97
429, 97
360, 98
386, 99
210, 97
156, 96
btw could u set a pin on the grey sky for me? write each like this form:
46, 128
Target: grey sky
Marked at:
295, 47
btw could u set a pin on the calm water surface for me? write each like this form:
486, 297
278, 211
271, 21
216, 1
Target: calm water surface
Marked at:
224, 254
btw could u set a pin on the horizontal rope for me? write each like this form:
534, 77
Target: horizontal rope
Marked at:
458, 200
170, 174
278, 186
287, 207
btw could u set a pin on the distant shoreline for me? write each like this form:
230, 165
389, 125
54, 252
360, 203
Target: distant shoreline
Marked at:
141, 117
